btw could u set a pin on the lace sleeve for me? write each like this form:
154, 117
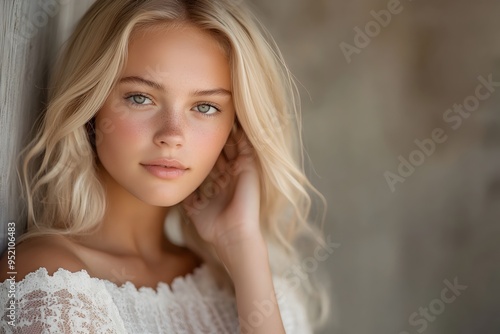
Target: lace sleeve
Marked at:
63, 303
293, 312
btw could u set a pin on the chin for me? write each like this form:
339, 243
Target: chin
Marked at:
163, 199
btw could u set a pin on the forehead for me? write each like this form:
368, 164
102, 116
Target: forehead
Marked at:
182, 52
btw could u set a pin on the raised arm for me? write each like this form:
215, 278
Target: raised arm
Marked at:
248, 265
230, 223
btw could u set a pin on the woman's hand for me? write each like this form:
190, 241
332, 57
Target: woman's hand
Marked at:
225, 212
225, 209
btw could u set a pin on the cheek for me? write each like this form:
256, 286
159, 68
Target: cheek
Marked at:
115, 136
213, 139
211, 142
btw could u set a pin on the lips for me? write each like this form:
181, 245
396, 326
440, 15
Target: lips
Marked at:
166, 163
165, 168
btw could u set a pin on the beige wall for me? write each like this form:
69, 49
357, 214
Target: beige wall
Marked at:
397, 247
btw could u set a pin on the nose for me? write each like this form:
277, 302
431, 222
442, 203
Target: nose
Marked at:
170, 129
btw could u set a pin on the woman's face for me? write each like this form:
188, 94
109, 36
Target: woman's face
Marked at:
165, 123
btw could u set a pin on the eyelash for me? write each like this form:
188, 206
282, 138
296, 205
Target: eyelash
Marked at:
211, 105
137, 105
128, 96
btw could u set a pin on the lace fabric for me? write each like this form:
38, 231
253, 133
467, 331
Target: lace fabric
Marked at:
69, 302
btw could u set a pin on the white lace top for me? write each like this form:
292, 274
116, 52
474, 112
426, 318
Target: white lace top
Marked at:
69, 302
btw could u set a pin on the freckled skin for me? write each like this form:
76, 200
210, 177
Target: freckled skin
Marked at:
166, 123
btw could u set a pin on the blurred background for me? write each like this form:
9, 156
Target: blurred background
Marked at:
401, 119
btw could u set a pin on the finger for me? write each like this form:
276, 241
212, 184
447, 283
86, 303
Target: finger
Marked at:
189, 204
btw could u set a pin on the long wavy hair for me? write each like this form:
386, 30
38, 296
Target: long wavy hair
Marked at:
58, 169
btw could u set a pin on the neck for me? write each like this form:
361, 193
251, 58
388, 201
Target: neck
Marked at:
130, 227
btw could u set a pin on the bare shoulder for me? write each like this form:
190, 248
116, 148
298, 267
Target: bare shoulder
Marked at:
50, 252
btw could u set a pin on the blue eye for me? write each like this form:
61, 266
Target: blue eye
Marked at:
206, 108
139, 99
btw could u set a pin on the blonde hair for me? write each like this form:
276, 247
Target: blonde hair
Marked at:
59, 168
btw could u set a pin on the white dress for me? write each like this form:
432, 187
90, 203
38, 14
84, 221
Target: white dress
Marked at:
69, 302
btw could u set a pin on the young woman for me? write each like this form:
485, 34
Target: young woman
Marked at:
164, 114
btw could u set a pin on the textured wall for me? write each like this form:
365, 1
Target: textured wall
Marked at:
400, 245
31, 32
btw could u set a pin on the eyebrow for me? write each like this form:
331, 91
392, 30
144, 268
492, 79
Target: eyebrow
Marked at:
158, 86
217, 91
139, 80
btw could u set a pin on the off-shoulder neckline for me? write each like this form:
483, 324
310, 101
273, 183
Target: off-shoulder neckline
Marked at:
127, 285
